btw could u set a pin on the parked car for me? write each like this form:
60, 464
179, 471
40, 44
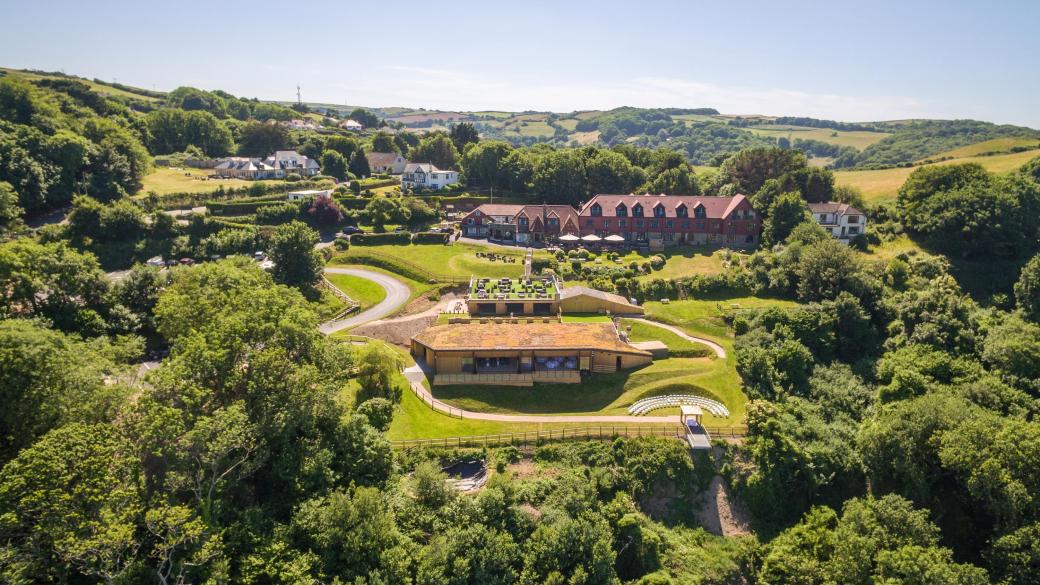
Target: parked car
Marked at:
259, 256
156, 261
351, 229
187, 261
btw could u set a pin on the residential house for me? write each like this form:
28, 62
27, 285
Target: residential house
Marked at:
276, 166
427, 176
386, 162
297, 124
842, 220
522, 224
663, 220
290, 161
309, 194
352, 125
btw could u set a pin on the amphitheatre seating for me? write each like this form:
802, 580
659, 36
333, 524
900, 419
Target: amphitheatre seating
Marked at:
641, 407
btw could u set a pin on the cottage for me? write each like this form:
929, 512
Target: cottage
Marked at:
427, 176
386, 162
277, 166
289, 161
663, 220
522, 354
297, 124
842, 220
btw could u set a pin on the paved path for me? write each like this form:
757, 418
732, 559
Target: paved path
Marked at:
416, 376
396, 296
719, 351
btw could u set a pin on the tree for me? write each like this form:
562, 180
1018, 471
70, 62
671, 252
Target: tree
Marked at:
469, 555
10, 212
484, 162
174, 130
610, 172
679, 180
359, 164
749, 169
334, 165
1027, 289
378, 364
576, 550
559, 176
365, 118
384, 142
786, 212
378, 411
73, 499
436, 149
462, 134
260, 139
296, 262
345, 145
325, 211
825, 270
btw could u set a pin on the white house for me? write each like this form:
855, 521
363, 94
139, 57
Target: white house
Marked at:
352, 125
309, 194
386, 162
842, 220
290, 161
297, 124
276, 166
427, 176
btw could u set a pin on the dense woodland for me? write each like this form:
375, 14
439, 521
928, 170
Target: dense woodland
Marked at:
892, 433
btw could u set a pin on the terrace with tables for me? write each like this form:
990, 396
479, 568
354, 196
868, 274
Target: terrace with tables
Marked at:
516, 296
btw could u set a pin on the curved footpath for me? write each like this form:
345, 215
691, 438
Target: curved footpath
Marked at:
718, 349
396, 296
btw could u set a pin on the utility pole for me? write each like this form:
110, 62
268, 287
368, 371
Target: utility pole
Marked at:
299, 101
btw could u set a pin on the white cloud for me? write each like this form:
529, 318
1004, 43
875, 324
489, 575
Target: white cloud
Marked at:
456, 90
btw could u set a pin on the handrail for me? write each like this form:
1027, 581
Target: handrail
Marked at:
588, 433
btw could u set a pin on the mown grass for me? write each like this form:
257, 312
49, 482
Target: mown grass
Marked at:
643, 331
458, 260
166, 180
365, 292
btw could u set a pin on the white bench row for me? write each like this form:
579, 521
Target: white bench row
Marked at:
645, 405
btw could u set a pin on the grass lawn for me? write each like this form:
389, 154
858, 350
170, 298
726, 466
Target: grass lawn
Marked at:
458, 260
609, 394
586, 318
642, 331
166, 180
328, 305
882, 185
365, 292
417, 288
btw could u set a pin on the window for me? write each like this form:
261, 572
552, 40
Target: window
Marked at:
653, 224
853, 230
606, 223
700, 225
668, 224
589, 222
596, 210
699, 212
714, 225
669, 236
469, 220
681, 211
637, 210
553, 222
621, 223
686, 225
522, 222
639, 224
659, 210
853, 219
751, 227
621, 210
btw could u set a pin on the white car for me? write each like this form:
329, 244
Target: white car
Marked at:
156, 261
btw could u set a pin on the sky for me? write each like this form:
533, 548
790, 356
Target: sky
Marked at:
850, 61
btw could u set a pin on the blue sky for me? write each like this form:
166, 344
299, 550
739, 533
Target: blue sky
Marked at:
853, 61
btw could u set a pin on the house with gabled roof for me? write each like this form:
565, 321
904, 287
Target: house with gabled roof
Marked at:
386, 162
842, 220
521, 224
663, 220
427, 176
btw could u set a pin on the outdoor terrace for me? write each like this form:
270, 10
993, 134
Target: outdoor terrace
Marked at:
512, 289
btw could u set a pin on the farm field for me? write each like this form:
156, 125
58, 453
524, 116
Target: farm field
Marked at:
995, 145
882, 185
166, 180
362, 290
98, 87
856, 139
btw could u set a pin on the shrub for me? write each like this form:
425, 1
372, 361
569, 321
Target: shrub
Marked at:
380, 239
657, 261
430, 238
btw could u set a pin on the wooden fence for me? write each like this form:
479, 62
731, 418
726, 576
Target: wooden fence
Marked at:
588, 433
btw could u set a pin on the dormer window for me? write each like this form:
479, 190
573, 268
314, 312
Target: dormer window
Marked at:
681, 211
699, 212
637, 210
659, 210
621, 210
596, 210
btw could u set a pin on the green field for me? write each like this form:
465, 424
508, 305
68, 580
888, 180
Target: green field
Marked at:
98, 87
883, 185
362, 290
458, 260
643, 331
856, 139
996, 145
166, 180
568, 123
